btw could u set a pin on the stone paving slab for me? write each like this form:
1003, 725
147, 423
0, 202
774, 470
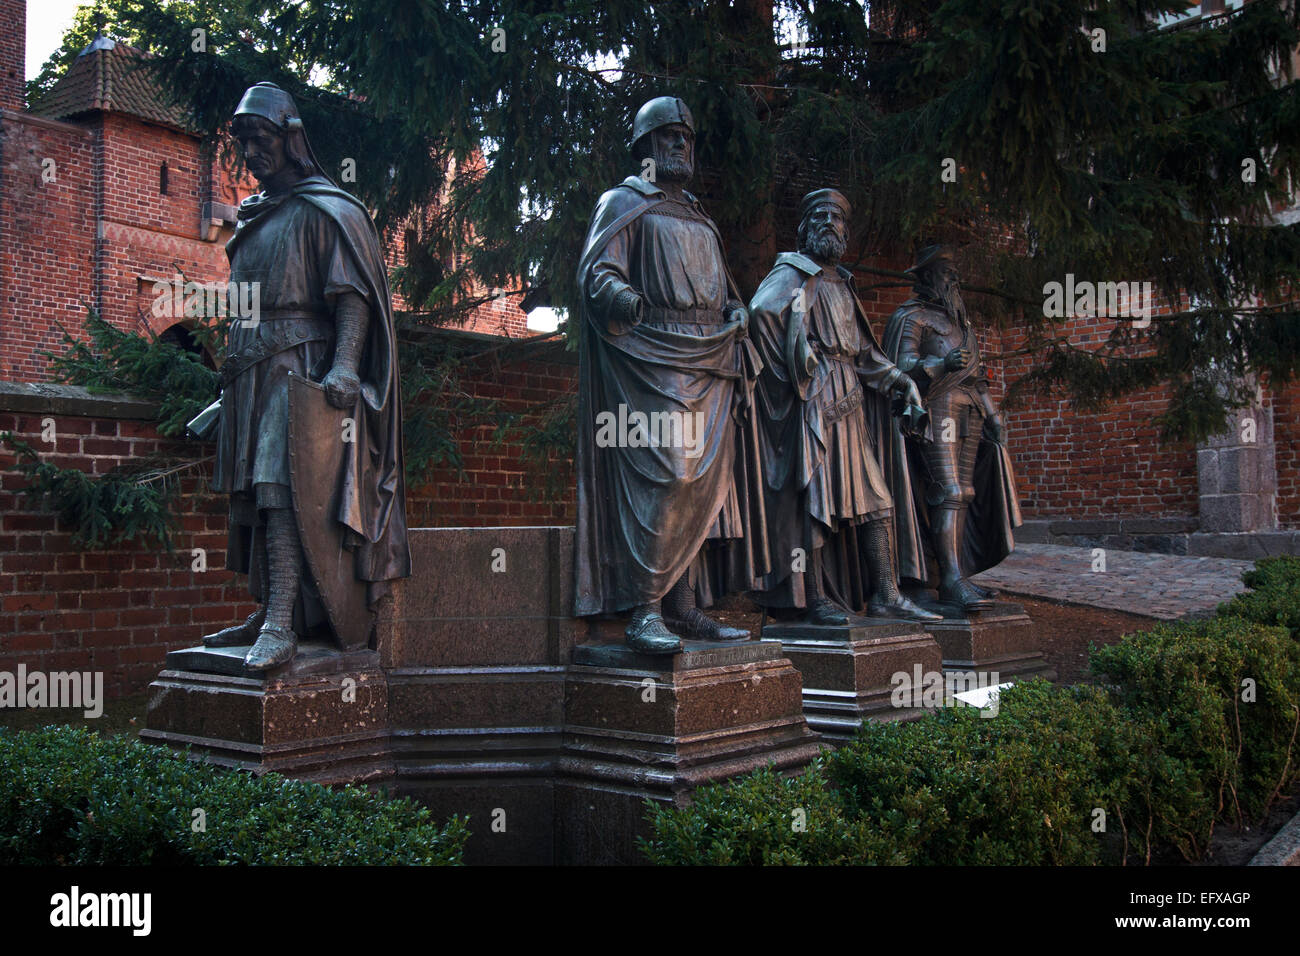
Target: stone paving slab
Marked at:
1283, 849
1164, 586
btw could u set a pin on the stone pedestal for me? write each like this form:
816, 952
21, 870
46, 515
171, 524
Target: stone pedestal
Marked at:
848, 671
475, 652
1001, 640
322, 718
486, 698
640, 727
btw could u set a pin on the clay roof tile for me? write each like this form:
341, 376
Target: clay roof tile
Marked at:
109, 76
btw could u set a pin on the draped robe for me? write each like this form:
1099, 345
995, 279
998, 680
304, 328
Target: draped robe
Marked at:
646, 510
822, 472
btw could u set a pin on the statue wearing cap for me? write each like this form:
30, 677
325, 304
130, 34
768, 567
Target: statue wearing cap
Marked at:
965, 505
823, 395
665, 520
308, 437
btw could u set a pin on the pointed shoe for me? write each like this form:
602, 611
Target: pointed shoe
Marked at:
238, 635
275, 646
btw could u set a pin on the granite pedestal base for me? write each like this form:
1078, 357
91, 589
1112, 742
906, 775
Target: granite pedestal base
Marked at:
848, 672
640, 727
1001, 639
324, 717
475, 661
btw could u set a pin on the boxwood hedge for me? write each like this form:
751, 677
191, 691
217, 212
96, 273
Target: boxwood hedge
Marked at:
69, 796
1191, 725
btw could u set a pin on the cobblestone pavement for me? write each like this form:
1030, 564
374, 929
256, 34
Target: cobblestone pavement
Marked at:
1164, 586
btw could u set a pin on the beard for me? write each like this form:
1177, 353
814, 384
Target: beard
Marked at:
952, 301
948, 296
671, 169
825, 244
674, 170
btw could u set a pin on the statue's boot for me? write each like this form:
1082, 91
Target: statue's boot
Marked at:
886, 600
949, 523
245, 635
964, 594
698, 626
646, 632
683, 616
823, 612
238, 635
276, 641
982, 591
904, 609
275, 646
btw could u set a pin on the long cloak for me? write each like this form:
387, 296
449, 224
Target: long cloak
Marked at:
326, 235
816, 495
644, 514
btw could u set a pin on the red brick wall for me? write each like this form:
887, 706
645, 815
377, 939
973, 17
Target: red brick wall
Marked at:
47, 233
498, 484
48, 263
1092, 465
500, 316
13, 54
117, 610
881, 294
147, 235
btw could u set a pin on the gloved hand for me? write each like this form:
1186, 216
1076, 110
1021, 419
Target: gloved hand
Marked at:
907, 388
956, 359
342, 386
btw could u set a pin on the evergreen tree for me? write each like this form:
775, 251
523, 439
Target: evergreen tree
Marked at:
1084, 138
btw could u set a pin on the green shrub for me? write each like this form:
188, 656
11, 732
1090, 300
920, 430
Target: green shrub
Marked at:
950, 788
1018, 788
69, 796
1274, 597
1166, 751
1185, 682
766, 819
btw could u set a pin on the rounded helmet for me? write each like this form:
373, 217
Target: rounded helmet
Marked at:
276, 106
660, 111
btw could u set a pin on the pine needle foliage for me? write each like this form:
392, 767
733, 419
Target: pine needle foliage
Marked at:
134, 502
114, 360
1104, 140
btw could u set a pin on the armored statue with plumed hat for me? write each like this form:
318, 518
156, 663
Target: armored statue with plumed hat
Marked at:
960, 518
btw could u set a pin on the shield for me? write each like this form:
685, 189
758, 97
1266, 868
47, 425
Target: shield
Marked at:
317, 461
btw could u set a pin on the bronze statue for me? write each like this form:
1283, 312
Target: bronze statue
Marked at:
819, 431
309, 443
665, 470
965, 505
